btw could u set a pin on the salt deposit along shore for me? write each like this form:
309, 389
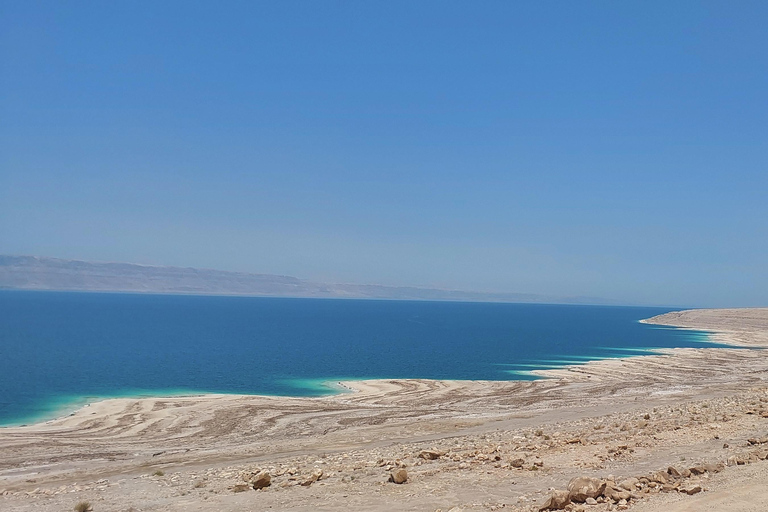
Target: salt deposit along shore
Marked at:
683, 430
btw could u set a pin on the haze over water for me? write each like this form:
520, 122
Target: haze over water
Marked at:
62, 349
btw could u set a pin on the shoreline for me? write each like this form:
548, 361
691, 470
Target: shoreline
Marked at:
71, 406
621, 416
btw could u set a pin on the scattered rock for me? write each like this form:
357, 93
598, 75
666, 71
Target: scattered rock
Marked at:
583, 487
398, 476
517, 463
316, 475
241, 487
430, 454
629, 484
616, 494
557, 501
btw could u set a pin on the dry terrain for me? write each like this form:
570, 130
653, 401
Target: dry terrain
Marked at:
683, 430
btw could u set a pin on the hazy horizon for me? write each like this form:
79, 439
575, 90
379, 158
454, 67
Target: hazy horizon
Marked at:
612, 150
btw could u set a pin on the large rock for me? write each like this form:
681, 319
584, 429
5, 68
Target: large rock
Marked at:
261, 480
398, 476
583, 487
557, 501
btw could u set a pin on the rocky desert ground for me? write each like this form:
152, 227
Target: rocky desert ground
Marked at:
682, 430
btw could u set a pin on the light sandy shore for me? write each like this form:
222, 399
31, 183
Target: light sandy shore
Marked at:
623, 417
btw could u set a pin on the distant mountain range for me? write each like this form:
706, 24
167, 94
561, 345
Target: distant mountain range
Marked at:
40, 273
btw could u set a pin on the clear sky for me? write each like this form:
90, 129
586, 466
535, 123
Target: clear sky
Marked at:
609, 149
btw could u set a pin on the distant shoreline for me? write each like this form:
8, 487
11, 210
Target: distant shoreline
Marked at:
54, 274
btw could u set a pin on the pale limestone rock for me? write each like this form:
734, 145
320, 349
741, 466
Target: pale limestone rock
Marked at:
629, 484
557, 501
398, 476
430, 454
583, 487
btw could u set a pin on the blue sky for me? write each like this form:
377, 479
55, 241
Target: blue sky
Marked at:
609, 149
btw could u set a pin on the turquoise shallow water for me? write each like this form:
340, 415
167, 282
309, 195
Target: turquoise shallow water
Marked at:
60, 350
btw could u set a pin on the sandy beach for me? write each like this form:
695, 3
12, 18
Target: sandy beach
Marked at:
465, 445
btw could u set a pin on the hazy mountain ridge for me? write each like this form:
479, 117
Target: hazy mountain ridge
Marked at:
42, 273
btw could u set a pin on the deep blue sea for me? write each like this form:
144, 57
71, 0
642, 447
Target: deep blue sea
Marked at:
61, 349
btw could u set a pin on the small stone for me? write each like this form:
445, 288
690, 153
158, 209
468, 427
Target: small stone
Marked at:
629, 484
316, 475
616, 494
430, 454
698, 470
241, 487
713, 468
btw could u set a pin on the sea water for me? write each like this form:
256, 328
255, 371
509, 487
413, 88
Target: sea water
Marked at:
59, 350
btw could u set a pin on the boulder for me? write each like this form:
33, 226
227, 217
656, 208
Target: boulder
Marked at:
398, 476
558, 500
261, 480
583, 487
